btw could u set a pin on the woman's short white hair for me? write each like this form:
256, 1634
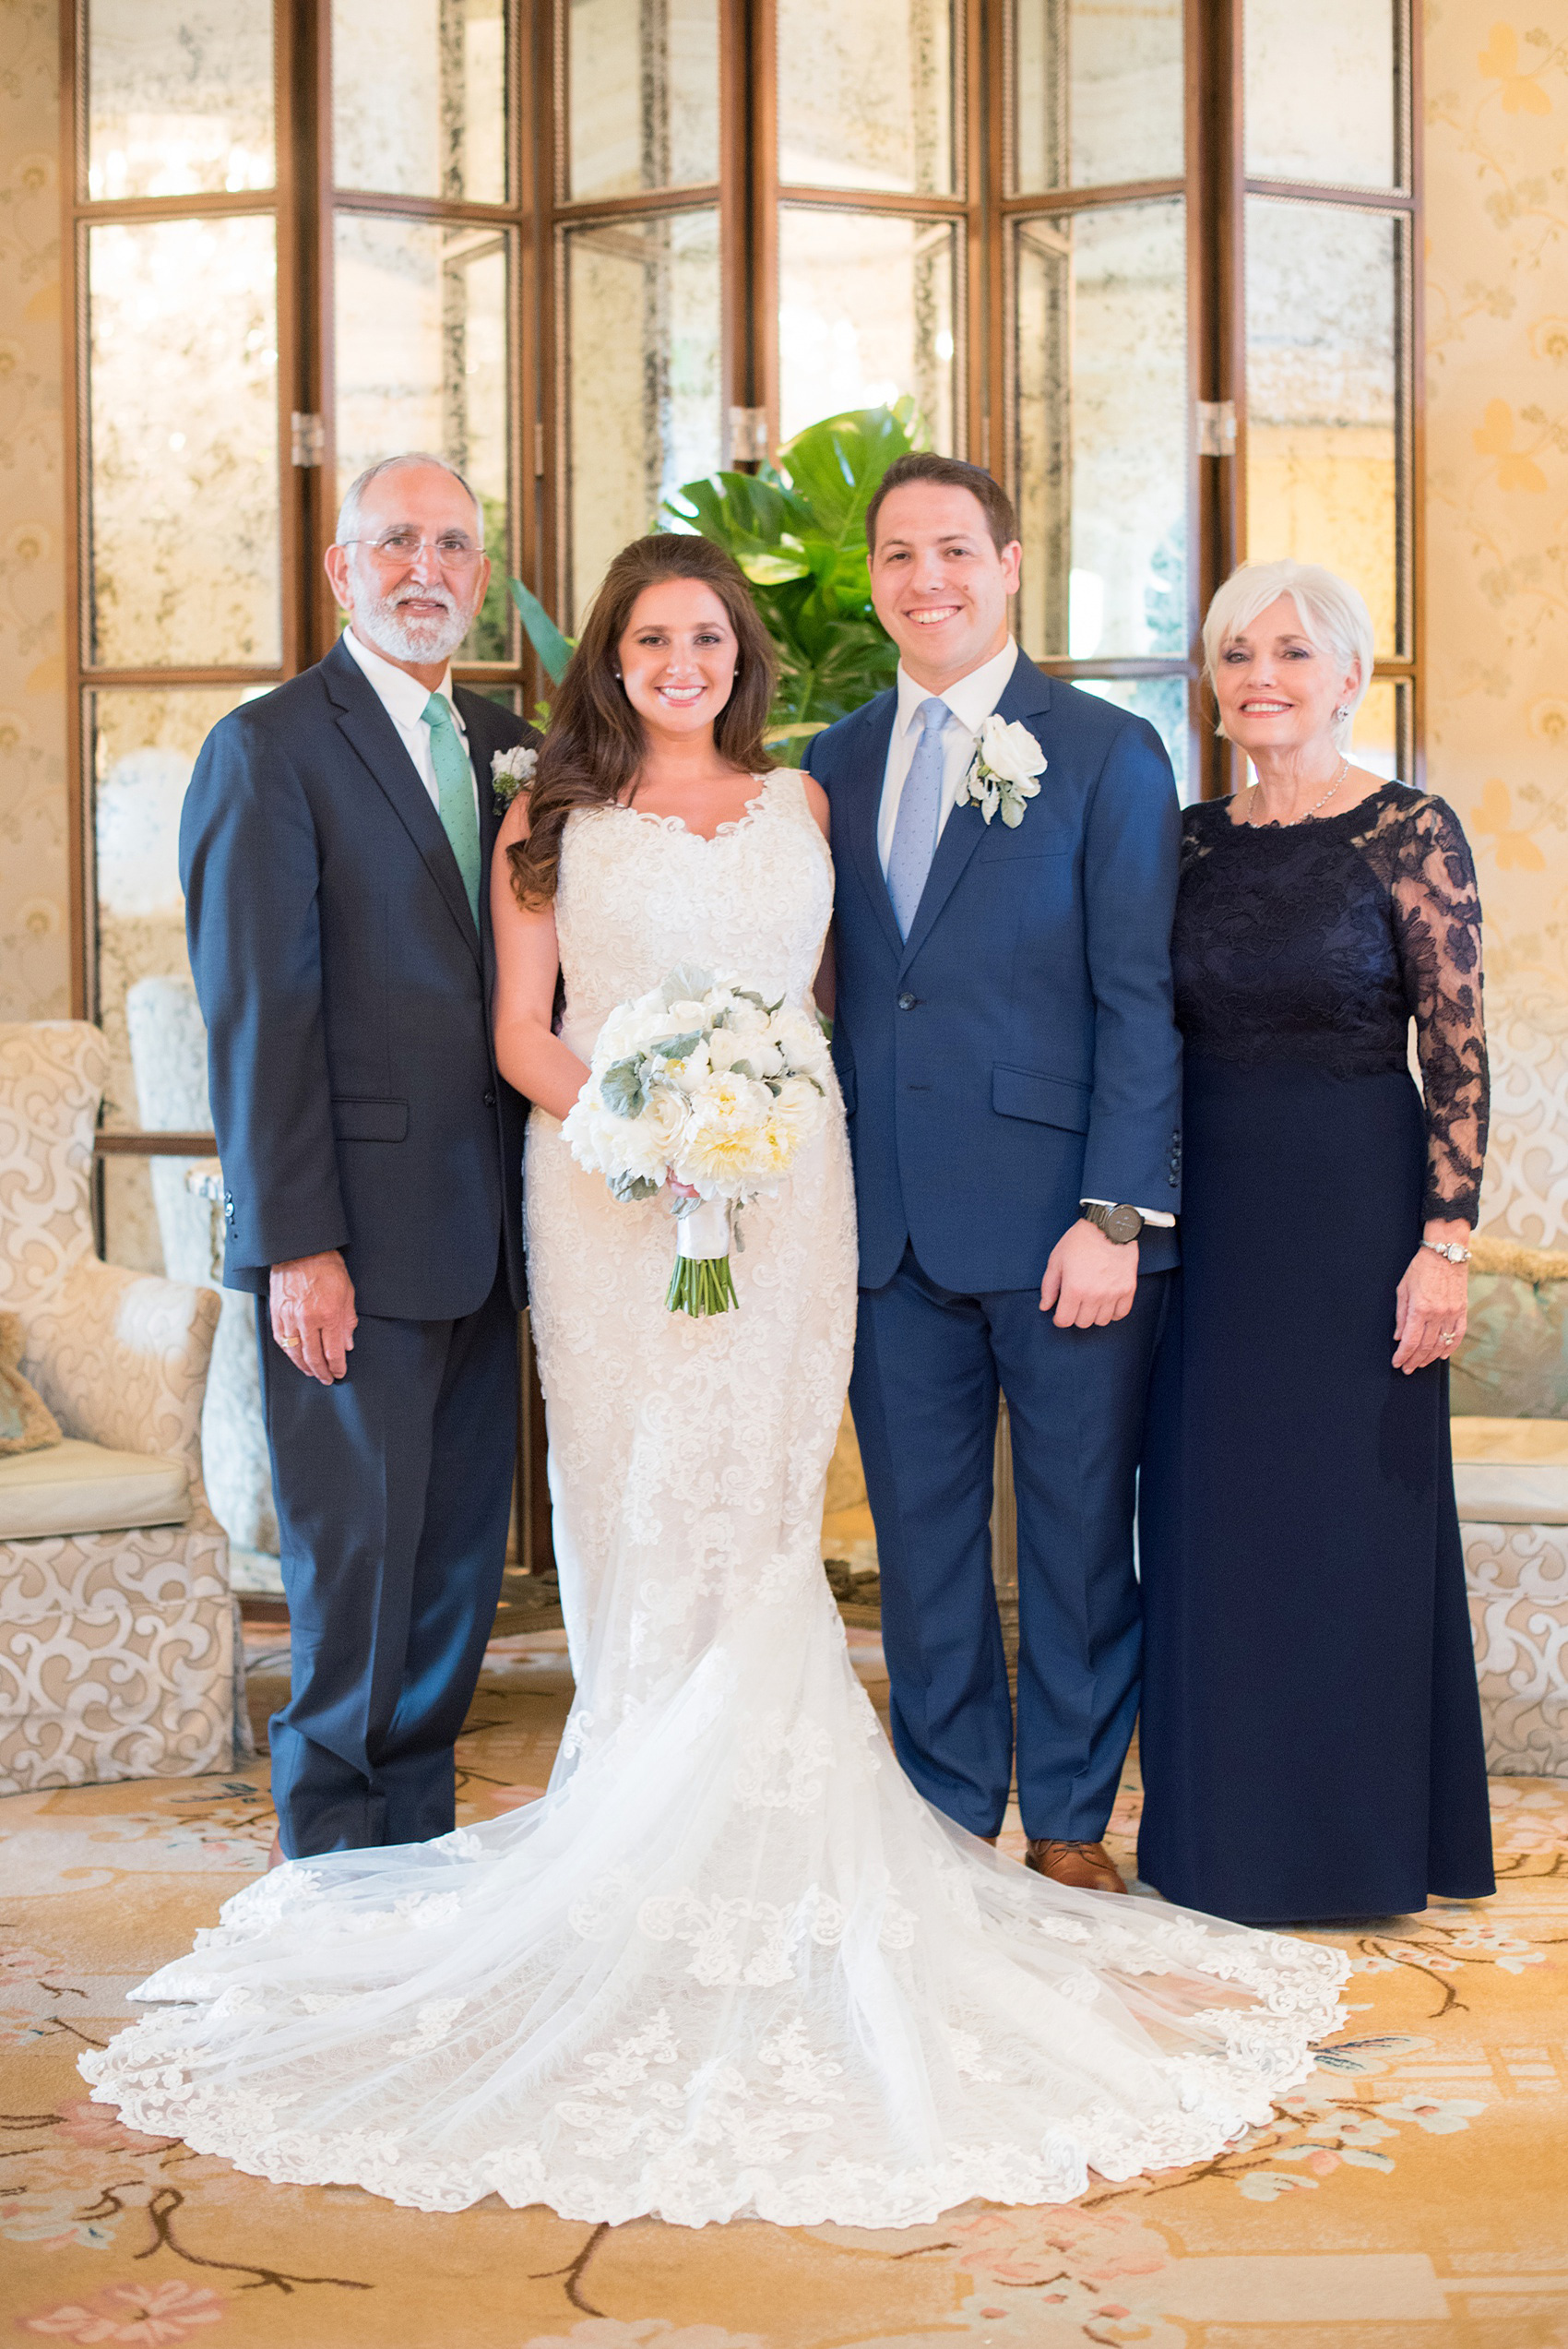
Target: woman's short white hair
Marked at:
1333, 614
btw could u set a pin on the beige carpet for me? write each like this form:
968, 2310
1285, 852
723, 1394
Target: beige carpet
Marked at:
1415, 2192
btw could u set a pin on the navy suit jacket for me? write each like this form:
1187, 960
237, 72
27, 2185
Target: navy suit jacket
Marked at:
1017, 1052
346, 990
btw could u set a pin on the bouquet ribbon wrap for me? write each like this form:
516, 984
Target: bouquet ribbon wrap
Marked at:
702, 1281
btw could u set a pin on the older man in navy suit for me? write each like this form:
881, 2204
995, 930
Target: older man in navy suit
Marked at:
1012, 1070
335, 849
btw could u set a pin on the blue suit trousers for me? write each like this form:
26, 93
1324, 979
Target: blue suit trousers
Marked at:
929, 1366
393, 1491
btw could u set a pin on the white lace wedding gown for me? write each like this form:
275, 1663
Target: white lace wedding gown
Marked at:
730, 1962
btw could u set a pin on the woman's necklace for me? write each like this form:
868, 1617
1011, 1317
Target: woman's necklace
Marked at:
1328, 795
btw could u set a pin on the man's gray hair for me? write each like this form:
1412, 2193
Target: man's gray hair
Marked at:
1333, 615
349, 512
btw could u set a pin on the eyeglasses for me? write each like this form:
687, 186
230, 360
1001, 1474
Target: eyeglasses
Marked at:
452, 550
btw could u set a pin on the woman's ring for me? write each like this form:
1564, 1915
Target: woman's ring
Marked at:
1446, 1336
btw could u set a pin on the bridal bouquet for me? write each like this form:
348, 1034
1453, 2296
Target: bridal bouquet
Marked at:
704, 1082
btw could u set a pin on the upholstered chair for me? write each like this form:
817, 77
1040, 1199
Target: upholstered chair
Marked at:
169, 1059
120, 1652
1510, 1386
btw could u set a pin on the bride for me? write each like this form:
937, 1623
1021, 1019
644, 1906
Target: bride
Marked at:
730, 1963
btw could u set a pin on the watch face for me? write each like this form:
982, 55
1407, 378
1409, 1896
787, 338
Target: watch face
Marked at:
1123, 1223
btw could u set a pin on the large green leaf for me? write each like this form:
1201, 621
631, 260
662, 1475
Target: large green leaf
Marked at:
553, 649
757, 522
834, 467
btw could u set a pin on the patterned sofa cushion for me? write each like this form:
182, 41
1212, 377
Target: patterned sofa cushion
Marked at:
25, 1419
1511, 1472
74, 1488
1513, 1363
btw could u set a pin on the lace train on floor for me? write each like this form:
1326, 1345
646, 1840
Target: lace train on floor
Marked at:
731, 1964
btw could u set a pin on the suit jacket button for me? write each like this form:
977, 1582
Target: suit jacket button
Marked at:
490, 1101
908, 1003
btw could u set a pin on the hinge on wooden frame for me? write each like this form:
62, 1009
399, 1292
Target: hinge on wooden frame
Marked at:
1217, 428
748, 435
307, 439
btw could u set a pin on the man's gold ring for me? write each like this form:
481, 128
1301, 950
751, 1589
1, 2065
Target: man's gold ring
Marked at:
292, 1344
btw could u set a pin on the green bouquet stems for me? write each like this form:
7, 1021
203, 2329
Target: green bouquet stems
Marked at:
702, 1284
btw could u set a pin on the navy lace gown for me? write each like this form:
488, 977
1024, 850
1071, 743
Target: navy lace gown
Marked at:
1311, 1734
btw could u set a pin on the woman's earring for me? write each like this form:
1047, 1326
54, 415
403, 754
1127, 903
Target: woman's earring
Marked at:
1340, 715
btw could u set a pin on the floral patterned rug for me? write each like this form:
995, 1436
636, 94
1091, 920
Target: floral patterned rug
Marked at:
1414, 2192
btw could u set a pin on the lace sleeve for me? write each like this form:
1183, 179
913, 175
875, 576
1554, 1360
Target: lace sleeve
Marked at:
1437, 923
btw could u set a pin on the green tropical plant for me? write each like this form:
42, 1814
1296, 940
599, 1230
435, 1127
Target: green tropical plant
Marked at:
798, 530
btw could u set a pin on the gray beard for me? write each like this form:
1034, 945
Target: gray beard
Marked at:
411, 641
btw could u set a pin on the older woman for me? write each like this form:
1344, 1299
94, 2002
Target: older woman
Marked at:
1311, 1742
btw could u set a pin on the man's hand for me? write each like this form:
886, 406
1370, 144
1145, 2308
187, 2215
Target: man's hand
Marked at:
1090, 1280
311, 1300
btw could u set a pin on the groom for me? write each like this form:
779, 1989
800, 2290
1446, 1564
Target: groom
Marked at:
1011, 1073
335, 849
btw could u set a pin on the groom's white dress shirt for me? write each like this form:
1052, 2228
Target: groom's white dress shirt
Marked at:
403, 698
971, 702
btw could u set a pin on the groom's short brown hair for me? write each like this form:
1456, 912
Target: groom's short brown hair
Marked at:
950, 472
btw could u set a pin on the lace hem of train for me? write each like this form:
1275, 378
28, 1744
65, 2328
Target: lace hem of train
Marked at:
653, 2127
1320, 941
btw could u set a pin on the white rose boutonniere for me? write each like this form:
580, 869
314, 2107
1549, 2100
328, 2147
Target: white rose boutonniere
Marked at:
510, 772
1001, 776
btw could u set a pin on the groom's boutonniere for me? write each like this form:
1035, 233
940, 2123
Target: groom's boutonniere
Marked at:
1001, 772
510, 772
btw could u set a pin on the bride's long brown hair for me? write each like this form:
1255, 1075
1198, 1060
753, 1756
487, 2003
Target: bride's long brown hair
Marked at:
595, 743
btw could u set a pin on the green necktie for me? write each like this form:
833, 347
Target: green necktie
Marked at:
455, 779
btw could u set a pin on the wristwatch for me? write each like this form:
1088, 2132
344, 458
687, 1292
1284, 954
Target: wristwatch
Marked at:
1118, 1224
1449, 1248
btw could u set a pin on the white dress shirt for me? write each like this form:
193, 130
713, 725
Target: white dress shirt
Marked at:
971, 702
403, 698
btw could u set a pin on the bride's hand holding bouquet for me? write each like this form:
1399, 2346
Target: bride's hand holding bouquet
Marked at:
706, 1085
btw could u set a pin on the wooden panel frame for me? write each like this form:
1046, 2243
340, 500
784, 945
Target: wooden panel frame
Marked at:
1223, 19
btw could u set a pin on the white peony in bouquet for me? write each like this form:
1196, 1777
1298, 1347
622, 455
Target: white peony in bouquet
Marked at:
706, 1081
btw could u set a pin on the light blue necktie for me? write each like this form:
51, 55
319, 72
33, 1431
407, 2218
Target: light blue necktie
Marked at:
919, 809
455, 780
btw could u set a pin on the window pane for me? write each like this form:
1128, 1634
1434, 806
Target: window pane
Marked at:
1101, 432
1096, 93
418, 98
644, 101
1381, 739
865, 94
1163, 701
420, 358
1321, 91
179, 96
867, 311
1323, 411
182, 360
643, 378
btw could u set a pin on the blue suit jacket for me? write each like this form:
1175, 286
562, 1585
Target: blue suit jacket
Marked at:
1017, 1052
346, 990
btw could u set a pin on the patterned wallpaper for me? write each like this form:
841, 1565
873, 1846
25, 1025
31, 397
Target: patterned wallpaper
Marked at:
34, 921
1497, 461
1497, 642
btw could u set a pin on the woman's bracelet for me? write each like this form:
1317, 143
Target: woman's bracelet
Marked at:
1449, 1248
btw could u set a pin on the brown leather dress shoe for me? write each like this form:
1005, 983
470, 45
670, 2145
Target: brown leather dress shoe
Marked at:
1088, 1867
